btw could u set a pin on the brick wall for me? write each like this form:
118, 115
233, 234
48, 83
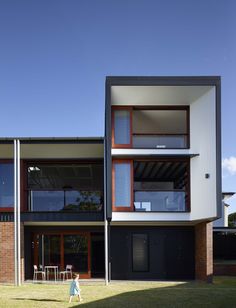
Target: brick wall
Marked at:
203, 252
7, 266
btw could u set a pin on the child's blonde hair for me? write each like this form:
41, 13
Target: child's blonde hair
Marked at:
75, 275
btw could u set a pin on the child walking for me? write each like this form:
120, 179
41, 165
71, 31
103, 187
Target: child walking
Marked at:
74, 288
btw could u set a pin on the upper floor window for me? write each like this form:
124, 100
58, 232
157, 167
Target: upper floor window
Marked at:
121, 128
151, 127
65, 187
6, 185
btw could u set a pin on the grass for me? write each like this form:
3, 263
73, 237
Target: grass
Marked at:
222, 293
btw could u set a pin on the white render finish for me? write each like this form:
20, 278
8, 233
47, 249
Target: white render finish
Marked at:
203, 140
156, 95
202, 105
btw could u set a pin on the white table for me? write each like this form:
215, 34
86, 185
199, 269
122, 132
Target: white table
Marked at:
55, 271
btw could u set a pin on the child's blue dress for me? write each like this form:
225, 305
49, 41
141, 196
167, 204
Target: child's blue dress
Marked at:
74, 288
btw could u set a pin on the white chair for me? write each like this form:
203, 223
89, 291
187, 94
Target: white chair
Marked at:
67, 272
38, 272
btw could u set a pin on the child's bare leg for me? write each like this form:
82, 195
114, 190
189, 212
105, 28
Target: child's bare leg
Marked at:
70, 299
80, 299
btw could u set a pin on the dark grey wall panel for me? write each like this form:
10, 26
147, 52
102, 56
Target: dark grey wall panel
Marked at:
171, 253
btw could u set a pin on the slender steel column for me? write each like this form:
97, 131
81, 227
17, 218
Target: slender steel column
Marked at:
15, 211
17, 245
105, 217
18, 215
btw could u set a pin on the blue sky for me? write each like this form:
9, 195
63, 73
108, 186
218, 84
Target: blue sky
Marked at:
54, 56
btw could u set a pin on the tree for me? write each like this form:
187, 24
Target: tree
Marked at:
232, 220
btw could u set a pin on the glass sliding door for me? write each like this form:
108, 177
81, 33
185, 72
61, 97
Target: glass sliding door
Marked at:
62, 249
76, 252
51, 248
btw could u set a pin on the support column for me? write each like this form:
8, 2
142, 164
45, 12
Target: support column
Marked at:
204, 252
17, 225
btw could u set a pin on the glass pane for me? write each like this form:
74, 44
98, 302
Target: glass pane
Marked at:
140, 252
6, 185
166, 201
160, 121
160, 142
51, 246
65, 177
83, 201
122, 184
40, 201
76, 252
122, 127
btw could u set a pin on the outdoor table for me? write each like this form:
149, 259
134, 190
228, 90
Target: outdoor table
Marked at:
51, 267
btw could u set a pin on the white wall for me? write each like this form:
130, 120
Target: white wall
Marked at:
202, 102
203, 141
223, 221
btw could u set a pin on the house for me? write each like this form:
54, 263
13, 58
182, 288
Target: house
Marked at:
136, 204
163, 175
223, 221
224, 241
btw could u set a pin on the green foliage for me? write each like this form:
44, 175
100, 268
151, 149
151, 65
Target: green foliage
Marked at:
232, 220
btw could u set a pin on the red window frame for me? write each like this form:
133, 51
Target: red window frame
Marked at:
7, 209
123, 208
119, 146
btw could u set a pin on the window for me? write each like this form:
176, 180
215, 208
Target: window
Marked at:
6, 185
65, 187
122, 185
161, 128
140, 252
162, 186
121, 130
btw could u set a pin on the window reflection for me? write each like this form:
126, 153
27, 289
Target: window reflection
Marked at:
6, 185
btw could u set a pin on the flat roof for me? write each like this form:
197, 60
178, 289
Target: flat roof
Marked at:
53, 139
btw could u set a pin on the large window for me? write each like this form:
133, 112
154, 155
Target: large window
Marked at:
122, 185
65, 187
140, 252
6, 185
153, 127
161, 128
161, 186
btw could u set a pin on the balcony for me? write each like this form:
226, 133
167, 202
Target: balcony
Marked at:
151, 141
65, 201
159, 201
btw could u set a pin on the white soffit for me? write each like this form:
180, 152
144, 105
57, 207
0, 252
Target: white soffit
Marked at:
156, 95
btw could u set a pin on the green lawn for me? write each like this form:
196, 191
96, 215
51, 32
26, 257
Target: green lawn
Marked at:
222, 293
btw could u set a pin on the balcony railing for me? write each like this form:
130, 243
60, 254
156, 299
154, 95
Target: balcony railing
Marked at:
65, 201
160, 201
156, 141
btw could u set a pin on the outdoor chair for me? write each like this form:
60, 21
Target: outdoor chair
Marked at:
38, 272
66, 273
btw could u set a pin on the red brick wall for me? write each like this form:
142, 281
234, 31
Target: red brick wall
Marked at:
7, 266
203, 252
